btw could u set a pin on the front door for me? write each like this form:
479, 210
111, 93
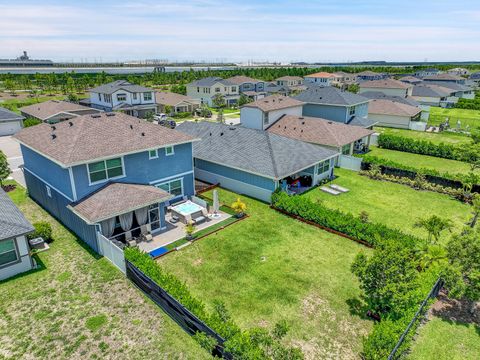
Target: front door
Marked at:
154, 217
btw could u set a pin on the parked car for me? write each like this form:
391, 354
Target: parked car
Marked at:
203, 112
160, 117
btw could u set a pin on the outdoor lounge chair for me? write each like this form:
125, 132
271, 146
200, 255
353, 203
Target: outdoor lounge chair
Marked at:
330, 191
199, 219
339, 188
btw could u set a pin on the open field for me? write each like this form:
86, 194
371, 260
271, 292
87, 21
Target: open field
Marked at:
270, 267
421, 161
80, 306
466, 117
395, 205
444, 136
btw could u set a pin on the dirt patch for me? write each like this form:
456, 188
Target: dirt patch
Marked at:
8, 188
197, 262
455, 310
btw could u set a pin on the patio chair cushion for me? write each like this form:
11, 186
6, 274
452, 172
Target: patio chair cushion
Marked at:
199, 219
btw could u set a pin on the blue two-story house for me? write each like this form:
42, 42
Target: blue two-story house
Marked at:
252, 88
107, 173
334, 104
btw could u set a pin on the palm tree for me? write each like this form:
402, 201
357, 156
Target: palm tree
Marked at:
433, 255
434, 226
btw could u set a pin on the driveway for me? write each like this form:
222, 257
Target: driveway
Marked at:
11, 149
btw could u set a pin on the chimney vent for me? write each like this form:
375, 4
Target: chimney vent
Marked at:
131, 126
53, 128
70, 123
54, 136
143, 134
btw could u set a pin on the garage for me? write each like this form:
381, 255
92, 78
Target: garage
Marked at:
10, 122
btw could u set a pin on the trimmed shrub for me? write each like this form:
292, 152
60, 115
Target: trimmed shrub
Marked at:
42, 229
31, 122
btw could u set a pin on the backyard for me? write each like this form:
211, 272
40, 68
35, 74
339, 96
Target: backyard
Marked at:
444, 136
421, 161
270, 267
394, 204
79, 306
467, 117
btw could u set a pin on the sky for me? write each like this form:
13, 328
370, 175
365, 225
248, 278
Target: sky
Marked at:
242, 30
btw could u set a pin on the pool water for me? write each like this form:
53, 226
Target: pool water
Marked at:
187, 208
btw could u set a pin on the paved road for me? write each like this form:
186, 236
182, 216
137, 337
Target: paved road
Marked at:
11, 149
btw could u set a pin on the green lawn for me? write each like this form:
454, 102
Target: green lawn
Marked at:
421, 161
395, 205
445, 340
444, 136
79, 306
466, 117
270, 267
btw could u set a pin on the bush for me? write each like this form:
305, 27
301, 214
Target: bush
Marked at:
182, 115
31, 122
42, 229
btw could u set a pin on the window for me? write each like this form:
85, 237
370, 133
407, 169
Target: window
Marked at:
107, 98
323, 167
135, 96
234, 88
173, 187
121, 97
217, 89
169, 151
99, 97
104, 170
49, 191
147, 96
351, 111
153, 154
265, 118
346, 149
8, 252
198, 89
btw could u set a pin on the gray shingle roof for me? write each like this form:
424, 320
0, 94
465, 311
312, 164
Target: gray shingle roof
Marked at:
380, 95
7, 115
449, 85
330, 95
110, 88
361, 121
254, 151
429, 91
12, 222
210, 81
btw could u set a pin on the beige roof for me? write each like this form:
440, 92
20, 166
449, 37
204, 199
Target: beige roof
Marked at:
47, 109
288, 77
322, 74
385, 84
445, 76
318, 131
274, 102
240, 79
172, 99
90, 137
118, 198
389, 107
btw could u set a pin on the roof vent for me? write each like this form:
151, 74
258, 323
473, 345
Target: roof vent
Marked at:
95, 116
53, 128
329, 122
131, 126
143, 134
54, 136
110, 114
210, 134
303, 122
294, 128
301, 130
301, 118
221, 134
70, 123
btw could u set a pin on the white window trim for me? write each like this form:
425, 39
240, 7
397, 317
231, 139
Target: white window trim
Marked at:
173, 150
90, 183
168, 182
150, 157
49, 191
15, 248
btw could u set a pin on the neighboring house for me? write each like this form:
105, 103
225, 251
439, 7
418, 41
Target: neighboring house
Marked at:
458, 90
264, 112
14, 248
394, 114
458, 71
206, 89
390, 87
344, 78
10, 122
432, 95
286, 90
403, 100
123, 96
253, 88
411, 80
426, 72
109, 174
445, 78
289, 81
370, 75
255, 162
54, 111
475, 78
176, 102
344, 139
320, 79
334, 104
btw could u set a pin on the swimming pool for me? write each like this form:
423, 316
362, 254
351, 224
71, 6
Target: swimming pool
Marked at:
187, 208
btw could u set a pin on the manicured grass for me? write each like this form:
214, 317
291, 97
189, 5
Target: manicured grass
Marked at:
14, 104
270, 267
466, 117
395, 205
79, 306
445, 340
421, 161
444, 136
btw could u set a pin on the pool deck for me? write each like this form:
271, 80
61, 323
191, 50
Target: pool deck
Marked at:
176, 231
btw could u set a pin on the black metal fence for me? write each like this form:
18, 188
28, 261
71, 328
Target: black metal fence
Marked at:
182, 316
420, 312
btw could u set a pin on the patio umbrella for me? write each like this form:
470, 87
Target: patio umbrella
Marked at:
216, 205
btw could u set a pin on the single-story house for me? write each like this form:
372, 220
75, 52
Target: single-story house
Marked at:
14, 248
54, 111
256, 162
345, 139
10, 122
388, 87
177, 102
394, 114
409, 100
433, 95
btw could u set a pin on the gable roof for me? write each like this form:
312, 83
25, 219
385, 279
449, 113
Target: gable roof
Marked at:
47, 109
254, 151
7, 115
113, 86
92, 137
449, 85
240, 79
443, 77
428, 90
274, 102
379, 95
330, 95
12, 222
361, 121
385, 84
389, 107
172, 99
115, 199
210, 81
321, 74
318, 131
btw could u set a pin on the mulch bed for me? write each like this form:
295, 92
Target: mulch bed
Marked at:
8, 188
455, 310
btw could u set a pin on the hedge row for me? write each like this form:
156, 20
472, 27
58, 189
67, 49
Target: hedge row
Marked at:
423, 147
252, 344
337, 220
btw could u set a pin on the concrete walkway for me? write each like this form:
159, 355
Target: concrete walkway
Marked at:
11, 149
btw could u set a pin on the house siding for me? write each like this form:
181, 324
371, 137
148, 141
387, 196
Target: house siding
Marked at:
393, 121
329, 112
24, 262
